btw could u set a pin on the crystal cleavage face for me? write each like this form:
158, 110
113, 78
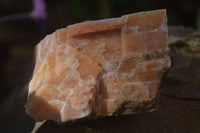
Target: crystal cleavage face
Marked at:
99, 68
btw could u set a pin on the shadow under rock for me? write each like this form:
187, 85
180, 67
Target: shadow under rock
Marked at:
173, 116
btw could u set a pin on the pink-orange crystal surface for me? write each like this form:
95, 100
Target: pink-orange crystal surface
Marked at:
93, 68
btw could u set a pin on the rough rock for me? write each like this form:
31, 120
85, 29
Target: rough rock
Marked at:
99, 68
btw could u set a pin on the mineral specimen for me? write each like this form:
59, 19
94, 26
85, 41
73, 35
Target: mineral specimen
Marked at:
99, 68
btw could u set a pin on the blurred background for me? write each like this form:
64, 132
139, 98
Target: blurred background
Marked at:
20, 33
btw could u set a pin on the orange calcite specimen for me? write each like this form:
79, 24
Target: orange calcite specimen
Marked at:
99, 68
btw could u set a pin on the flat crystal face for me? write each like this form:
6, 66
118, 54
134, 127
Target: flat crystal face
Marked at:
96, 68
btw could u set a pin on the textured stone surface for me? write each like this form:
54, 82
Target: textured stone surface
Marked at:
179, 100
177, 110
100, 68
